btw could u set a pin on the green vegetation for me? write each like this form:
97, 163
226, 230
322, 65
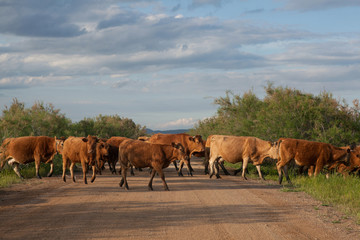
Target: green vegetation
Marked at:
44, 120
283, 112
286, 112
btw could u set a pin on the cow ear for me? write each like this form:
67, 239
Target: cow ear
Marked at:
84, 139
348, 150
192, 139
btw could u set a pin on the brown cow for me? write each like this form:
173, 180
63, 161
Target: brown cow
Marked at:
142, 154
102, 153
235, 149
23, 150
113, 156
308, 153
144, 138
191, 145
80, 150
350, 166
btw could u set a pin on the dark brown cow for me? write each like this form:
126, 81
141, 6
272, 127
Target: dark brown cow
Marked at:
235, 149
23, 150
308, 153
113, 156
191, 145
141, 154
350, 166
102, 153
80, 150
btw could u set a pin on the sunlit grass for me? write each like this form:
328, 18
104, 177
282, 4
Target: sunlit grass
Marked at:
335, 191
344, 194
8, 176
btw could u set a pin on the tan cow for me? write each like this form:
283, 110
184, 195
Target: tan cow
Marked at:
207, 158
235, 149
23, 150
141, 154
190, 143
80, 150
308, 153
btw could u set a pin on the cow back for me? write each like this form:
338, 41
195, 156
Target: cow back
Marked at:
191, 144
24, 149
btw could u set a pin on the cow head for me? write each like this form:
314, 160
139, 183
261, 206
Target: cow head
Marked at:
274, 149
91, 148
59, 142
196, 144
102, 152
180, 152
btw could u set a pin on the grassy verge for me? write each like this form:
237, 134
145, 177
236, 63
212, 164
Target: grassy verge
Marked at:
8, 176
344, 194
335, 191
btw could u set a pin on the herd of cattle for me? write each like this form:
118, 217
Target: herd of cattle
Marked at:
158, 151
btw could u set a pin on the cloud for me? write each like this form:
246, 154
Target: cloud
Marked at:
202, 3
180, 123
315, 5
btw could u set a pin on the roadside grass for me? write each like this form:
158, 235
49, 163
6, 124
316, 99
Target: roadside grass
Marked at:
336, 191
9, 177
342, 193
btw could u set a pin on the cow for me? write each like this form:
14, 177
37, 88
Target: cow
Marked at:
207, 157
102, 153
309, 154
351, 165
143, 154
113, 156
80, 150
192, 144
144, 138
23, 150
235, 149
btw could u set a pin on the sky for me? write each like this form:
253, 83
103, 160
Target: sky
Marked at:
163, 63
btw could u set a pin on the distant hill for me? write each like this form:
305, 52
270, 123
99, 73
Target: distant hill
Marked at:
150, 131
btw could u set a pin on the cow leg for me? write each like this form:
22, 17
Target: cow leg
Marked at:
181, 165
153, 172
15, 166
279, 169
64, 169
84, 169
162, 176
37, 166
212, 168
259, 171
132, 170
72, 171
311, 171
244, 166
123, 178
224, 169
51, 169
285, 169
94, 173
175, 165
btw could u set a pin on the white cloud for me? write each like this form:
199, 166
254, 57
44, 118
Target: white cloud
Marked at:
309, 5
180, 123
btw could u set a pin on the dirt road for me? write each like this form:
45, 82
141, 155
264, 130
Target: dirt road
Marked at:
196, 208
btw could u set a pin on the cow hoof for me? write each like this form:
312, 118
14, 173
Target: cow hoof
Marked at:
150, 188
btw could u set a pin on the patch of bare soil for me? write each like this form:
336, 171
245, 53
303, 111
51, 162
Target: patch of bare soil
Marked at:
195, 208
